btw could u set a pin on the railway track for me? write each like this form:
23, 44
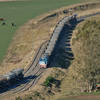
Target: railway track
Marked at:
34, 71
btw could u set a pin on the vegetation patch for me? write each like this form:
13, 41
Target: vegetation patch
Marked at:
19, 12
83, 74
51, 80
26, 41
18, 98
90, 27
50, 86
39, 29
82, 78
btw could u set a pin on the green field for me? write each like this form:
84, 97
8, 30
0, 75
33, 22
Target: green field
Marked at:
20, 12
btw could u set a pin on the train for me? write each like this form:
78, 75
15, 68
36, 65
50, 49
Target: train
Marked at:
11, 77
47, 55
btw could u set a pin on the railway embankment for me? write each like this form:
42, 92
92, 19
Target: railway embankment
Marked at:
30, 36
57, 70
85, 45
63, 50
83, 74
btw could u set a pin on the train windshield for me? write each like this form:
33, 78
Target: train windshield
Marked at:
43, 61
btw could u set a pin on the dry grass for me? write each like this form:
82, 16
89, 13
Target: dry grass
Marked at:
26, 42
31, 35
65, 88
89, 12
28, 39
70, 86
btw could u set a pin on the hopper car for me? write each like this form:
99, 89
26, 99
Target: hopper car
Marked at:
11, 77
47, 55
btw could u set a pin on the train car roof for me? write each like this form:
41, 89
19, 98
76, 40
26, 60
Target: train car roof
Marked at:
1, 77
17, 70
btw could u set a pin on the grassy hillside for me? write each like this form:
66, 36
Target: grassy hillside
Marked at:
84, 73
20, 12
74, 81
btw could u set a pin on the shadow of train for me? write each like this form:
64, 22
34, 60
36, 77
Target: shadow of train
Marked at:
62, 54
17, 83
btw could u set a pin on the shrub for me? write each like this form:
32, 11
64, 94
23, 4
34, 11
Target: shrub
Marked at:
18, 98
49, 80
36, 93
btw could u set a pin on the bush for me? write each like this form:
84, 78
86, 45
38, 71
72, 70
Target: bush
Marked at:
29, 98
85, 70
18, 98
49, 80
36, 93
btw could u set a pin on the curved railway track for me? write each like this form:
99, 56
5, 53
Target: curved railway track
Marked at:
34, 71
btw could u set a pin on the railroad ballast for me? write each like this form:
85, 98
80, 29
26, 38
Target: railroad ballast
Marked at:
44, 60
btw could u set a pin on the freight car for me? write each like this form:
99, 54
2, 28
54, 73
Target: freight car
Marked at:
11, 77
44, 60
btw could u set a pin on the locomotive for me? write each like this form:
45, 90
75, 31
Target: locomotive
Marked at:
11, 77
44, 60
